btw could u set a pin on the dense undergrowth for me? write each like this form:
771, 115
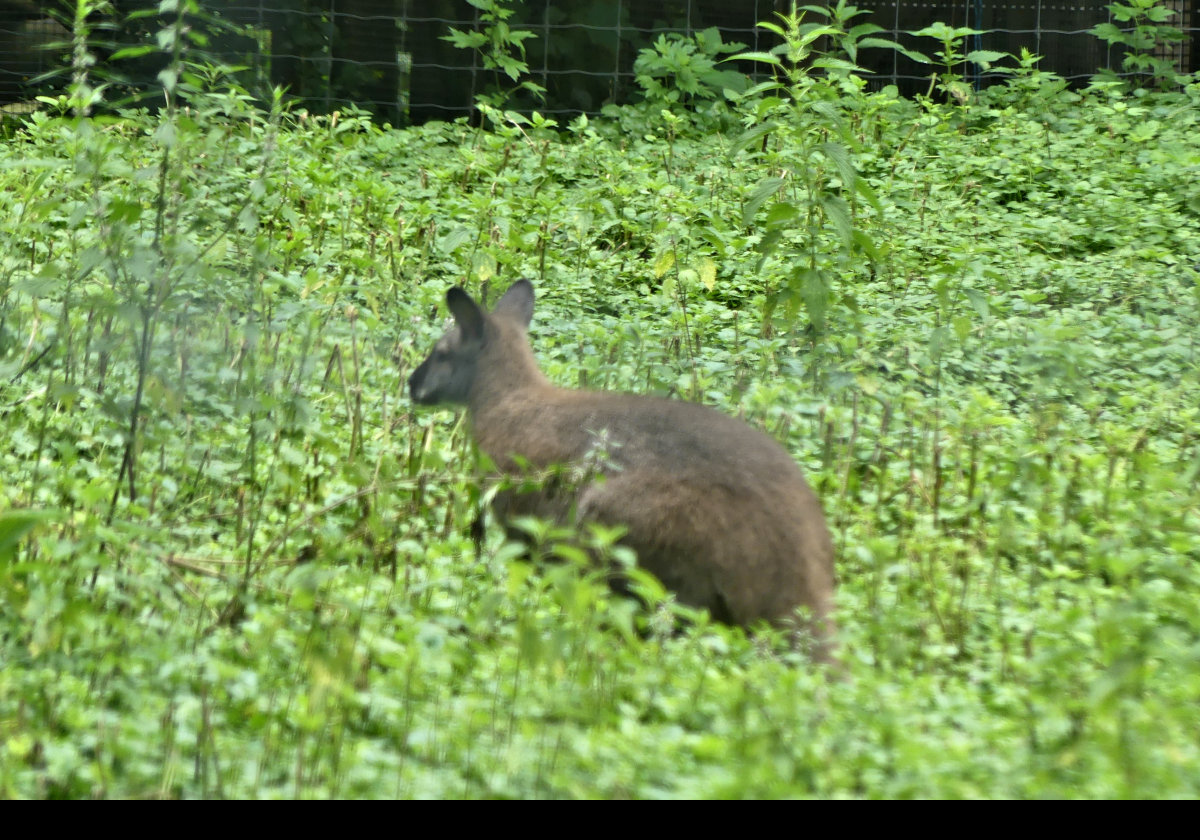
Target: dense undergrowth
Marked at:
234, 561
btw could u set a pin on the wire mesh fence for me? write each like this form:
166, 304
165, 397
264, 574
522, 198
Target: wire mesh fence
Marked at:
392, 56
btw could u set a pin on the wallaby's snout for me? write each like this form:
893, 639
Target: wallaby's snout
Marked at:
445, 376
714, 508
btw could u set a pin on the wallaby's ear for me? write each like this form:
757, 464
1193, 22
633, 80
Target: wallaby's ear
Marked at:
466, 312
517, 303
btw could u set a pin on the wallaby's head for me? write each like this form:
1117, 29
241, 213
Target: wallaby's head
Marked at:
480, 346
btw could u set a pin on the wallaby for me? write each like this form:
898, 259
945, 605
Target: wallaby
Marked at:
714, 508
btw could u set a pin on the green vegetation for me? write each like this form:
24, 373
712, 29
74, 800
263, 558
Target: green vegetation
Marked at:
234, 561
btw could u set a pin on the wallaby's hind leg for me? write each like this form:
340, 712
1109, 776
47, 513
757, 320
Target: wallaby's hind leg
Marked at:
721, 549
678, 537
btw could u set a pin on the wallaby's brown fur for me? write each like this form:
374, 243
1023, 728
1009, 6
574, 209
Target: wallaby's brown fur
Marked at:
717, 510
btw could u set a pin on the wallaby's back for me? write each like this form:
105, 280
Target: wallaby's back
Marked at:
714, 508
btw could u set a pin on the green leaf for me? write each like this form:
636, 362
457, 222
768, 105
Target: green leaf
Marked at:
664, 263
915, 55
763, 57
766, 188
813, 288
780, 213
841, 161
985, 57
455, 239
858, 33
752, 136
837, 64
838, 212
978, 301
132, 52
465, 40
962, 326
1108, 32
16, 524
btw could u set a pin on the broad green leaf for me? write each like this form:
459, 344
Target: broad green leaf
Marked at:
766, 188
665, 262
16, 524
708, 274
762, 57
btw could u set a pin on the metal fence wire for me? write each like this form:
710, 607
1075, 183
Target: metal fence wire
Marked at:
391, 56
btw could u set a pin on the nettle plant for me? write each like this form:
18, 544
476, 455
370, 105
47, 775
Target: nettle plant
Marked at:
500, 48
142, 234
953, 58
1144, 34
813, 201
683, 69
